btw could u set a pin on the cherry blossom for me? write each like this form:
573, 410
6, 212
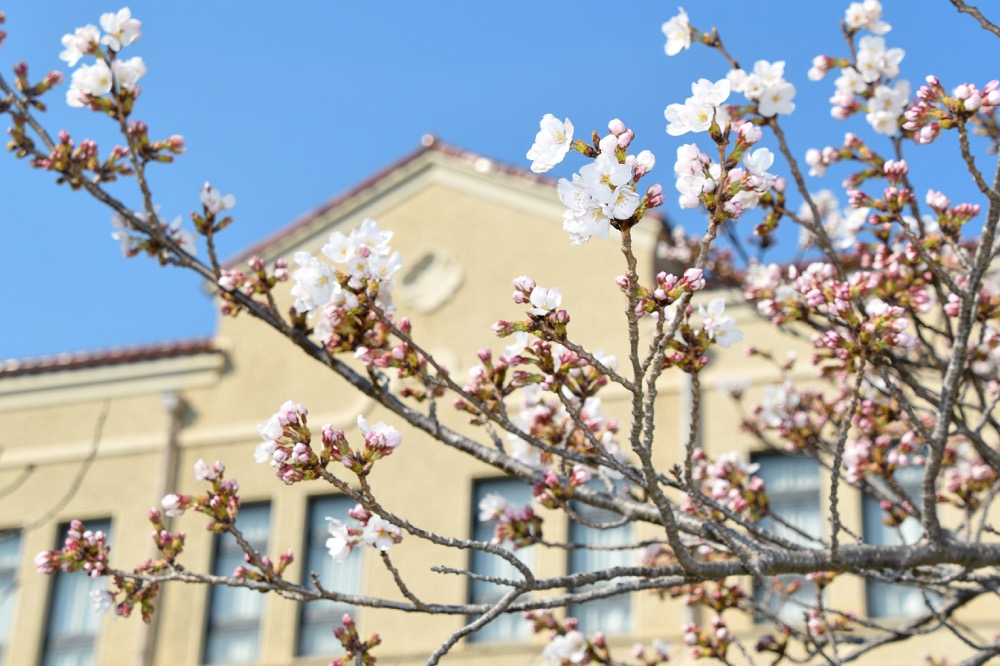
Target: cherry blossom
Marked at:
79, 43
128, 72
866, 15
89, 81
678, 33
719, 327
380, 534
213, 200
551, 143
122, 30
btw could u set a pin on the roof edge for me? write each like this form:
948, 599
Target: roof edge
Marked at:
16, 367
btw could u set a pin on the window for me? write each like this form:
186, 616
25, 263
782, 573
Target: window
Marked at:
318, 619
887, 599
507, 626
793, 493
10, 550
71, 634
612, 615
234, 614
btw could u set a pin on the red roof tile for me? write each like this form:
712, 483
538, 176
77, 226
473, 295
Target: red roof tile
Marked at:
89, 359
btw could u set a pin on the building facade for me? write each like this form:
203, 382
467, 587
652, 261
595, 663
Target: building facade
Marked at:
103, 436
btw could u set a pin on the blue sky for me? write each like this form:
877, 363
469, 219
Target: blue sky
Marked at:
287, 108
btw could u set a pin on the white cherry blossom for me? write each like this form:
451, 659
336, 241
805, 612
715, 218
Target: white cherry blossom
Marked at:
380, 534
551, 143
678, 33
79, 43
93, 80
545, 300
122, 29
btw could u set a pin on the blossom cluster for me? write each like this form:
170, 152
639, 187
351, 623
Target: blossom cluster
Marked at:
341, 299
605, 191
709, 644
796, 415
766, 87
936, 109
89, 83
255, 282
863, 83
356, 651
221, 503
374, 530
816, 290
517, 524
286, 441
729, 481
132, 243
688, 348
668, 289
83, 550
702, 181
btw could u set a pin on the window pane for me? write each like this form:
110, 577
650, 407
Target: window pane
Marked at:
793, 493
72, 628
612, 615
886, 599
234, 613
10, 550
508, 626
318, 619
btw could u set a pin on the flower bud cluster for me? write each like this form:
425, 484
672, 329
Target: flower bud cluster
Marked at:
883, 440
267, 570
729, 481
797, 416
659, 653
717, 596
518, 525
668, 289
936, 110
76, 162
171, 544
83, 550
708, 644
286, 442
967, 477
356, 651
221, 503
255, 282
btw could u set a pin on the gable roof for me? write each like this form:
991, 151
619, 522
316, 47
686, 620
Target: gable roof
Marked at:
431, 149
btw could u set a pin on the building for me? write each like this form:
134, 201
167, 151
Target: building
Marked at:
103, 436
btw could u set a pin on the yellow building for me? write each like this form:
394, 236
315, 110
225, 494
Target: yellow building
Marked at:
103, 436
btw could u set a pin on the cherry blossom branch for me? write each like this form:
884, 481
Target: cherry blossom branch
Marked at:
838, 458
399, 581
474, 626
974, 12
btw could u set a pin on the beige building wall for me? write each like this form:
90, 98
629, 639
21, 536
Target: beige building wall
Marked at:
473, 226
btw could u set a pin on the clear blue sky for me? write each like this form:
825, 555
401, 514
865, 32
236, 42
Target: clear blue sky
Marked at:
287, 107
